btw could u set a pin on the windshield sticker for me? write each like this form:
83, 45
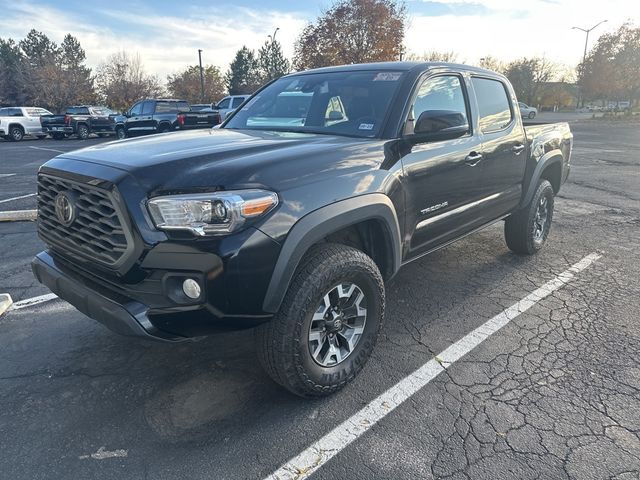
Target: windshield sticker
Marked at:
387, 77
366, 126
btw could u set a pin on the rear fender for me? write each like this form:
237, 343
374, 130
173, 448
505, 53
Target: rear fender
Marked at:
550, 158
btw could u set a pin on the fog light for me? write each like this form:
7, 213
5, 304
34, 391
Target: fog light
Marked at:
191, 288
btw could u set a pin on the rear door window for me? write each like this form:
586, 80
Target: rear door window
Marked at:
493, 104
15, 112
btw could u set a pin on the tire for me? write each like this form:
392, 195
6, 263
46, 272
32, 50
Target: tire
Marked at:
16, 133
83, 132
103, 135
532, 115
526, 230
347, 278
121, 134
58, 136
163, 128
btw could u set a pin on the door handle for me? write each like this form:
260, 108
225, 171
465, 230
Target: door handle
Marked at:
517, 149
473, 159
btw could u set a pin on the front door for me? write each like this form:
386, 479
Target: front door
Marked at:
442, 177
134, 118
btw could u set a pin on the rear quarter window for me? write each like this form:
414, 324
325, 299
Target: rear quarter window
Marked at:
493, 104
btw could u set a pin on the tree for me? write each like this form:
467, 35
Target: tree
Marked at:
612, 68
272, 62
527, 74
492, 63
434, 56
12, 81
243, 76
121, 80
352, 31
186, 84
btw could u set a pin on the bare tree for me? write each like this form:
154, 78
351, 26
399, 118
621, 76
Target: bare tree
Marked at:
528, 74
434, 56
122, 80
492, 63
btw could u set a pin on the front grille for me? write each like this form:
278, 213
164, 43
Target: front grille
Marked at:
97, 232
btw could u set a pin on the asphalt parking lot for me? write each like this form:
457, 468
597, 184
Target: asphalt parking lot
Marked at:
554, 394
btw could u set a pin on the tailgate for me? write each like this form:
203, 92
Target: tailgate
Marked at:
52, 120
204, 119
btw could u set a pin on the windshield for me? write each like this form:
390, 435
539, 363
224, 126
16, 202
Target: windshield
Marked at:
340, 103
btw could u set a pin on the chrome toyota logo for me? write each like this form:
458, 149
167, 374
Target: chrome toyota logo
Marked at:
65, 208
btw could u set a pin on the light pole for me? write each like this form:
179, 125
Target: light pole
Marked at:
273, 37
201, 76
586, 44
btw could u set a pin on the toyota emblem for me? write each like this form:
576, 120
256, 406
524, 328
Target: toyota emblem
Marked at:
65, 208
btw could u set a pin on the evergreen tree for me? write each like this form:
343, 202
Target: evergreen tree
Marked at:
243, 76
12, 81
271, 61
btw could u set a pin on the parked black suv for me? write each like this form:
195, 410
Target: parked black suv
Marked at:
163, 115
293, 214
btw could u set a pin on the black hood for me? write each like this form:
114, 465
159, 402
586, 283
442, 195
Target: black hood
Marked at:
221, 158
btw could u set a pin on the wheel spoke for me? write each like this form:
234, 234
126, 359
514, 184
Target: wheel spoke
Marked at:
337, 324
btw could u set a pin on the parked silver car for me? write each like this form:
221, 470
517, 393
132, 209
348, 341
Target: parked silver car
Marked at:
16, 122
526, 111
229, 104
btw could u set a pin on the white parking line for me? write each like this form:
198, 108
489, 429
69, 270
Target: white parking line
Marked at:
48, 149
320, 452
30, 302
17, 198
3, 175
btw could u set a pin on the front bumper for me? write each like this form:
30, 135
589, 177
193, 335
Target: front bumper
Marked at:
122, 315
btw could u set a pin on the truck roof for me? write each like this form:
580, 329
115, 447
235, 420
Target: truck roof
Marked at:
395, 66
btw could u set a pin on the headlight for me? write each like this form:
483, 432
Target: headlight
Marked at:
210, 213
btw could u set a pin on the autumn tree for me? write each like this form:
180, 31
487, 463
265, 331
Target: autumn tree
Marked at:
186, 84
243, 76
122, 80
352, 31
612, 68
271, 61
528, 74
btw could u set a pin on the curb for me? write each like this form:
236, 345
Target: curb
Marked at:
18, 215
5, 302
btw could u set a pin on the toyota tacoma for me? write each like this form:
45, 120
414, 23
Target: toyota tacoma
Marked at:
292, 215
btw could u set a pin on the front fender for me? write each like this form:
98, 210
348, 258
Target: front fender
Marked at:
320, 223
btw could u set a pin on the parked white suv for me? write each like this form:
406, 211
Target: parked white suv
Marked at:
16, 122
229, 104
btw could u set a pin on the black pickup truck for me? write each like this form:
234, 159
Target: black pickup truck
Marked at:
164, 115
293, 214
82, 121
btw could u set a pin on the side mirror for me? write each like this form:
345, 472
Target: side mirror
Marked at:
440, 125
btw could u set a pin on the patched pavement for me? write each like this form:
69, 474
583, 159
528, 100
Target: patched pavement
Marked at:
554, 394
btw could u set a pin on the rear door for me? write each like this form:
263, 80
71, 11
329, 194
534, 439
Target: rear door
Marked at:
503, 145
442, 177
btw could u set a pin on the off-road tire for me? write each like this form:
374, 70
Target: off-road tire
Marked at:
282, 343
83, 132
520, 227
121, 133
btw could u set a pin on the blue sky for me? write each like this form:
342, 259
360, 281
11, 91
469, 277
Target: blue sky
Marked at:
167, 34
